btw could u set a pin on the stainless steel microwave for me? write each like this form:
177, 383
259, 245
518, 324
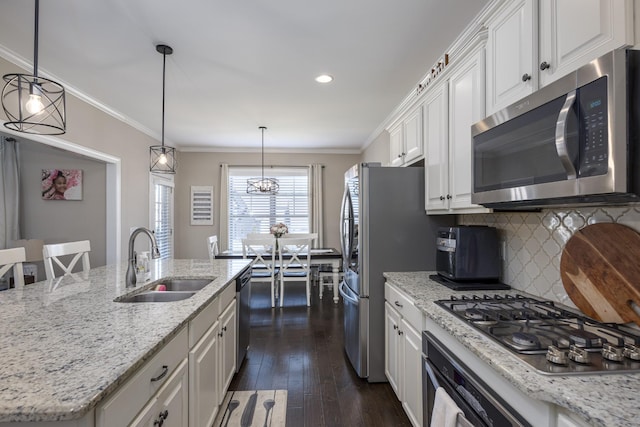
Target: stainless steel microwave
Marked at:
572, 142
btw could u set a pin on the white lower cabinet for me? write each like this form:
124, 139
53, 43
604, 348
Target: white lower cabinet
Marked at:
170, 407
146, 385
412, 367
185, 382
403, 352
204, 379
228, 347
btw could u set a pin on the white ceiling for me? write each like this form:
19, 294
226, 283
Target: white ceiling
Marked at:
240, 64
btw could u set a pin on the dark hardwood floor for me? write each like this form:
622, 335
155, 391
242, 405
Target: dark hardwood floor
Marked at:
300, 349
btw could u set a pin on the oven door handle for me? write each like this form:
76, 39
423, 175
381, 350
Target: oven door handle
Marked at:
430, 373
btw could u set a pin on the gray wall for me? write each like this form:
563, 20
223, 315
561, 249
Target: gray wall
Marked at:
378, 150
204, 169
56, 221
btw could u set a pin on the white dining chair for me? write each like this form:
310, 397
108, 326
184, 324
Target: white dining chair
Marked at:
295, 264
51, 254
13, 259
264, 266
311, 236
212, 246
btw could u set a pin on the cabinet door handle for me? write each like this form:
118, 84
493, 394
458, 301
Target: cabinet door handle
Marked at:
224, 328
448, 196
395, 327
400, 332
441, 197
399, 155
220, 334
544, 65
165, 369
526, 77
161, 417
397, 304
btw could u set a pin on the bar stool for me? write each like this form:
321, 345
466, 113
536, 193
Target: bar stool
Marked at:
212, 246
13, 259
51, 253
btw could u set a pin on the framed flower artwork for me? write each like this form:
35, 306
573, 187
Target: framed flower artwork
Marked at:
62, 184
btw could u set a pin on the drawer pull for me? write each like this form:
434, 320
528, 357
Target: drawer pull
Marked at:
398, 304
165, 369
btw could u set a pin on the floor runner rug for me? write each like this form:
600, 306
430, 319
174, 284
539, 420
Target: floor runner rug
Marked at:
254, 408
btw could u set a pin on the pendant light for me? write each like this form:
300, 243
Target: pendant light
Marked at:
34, 104
263, 185
162, 157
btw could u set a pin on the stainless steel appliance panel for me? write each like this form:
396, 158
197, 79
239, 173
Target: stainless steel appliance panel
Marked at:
243, 318
393, 233
480, 404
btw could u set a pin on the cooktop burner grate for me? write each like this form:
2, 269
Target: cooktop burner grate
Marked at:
551, 339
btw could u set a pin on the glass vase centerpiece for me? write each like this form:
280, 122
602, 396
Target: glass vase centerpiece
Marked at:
279, 230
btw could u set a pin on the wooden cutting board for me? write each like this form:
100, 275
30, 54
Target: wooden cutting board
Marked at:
600, 270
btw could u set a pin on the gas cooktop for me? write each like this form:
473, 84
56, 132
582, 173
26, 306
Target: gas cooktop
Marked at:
553, 340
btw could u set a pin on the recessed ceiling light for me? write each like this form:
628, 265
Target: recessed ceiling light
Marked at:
324, 78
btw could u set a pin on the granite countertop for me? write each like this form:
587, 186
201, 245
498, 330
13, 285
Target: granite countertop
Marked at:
65, 344
602, 400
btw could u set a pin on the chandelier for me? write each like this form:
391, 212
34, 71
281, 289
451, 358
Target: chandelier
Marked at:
262, 185
34, 104
162, 158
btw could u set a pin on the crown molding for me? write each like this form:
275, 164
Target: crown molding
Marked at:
195, 149
27, 65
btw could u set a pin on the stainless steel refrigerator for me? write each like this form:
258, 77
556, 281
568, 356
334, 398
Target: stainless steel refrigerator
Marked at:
384, 227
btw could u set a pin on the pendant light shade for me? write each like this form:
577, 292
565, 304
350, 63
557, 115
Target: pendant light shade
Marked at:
31, 103
263, 185
162, 158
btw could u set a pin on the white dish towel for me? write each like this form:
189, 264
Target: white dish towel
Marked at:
446, 412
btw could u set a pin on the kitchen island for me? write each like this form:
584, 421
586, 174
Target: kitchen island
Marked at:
599, 400
66, 345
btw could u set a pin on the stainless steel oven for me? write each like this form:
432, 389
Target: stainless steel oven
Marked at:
480, 404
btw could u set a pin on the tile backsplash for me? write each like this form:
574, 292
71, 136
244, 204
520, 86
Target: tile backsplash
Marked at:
534, 243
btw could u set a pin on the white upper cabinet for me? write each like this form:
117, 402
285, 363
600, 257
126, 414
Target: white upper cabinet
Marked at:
574, 32
413, 135
466, 107
396, 145
406, 139
436, 142
511, 55
532, 43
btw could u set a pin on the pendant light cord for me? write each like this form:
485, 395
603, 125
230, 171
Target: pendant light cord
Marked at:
35, 42
263, 128
164, 67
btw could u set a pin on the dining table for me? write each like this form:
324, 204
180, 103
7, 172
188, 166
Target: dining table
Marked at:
319, 256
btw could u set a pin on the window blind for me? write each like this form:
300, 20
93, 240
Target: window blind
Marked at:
163, 211
256, 213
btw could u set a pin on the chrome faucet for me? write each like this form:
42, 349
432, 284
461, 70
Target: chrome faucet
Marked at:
130, 277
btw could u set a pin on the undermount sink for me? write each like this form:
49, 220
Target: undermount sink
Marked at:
156, 296
184, 285
175, 290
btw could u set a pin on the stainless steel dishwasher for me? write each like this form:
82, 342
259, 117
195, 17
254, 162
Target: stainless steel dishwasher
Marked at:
243, 319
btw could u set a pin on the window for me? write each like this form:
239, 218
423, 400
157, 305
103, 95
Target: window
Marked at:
161, 214
255, 213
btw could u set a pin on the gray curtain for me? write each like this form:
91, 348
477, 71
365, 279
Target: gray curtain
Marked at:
316, 201
223, 238
9, 192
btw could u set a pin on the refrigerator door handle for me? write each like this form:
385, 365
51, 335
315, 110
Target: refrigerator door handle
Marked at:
345, 292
